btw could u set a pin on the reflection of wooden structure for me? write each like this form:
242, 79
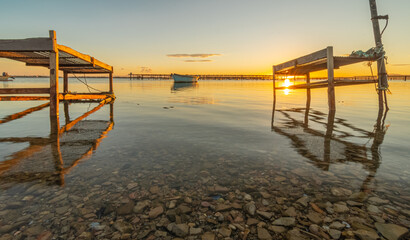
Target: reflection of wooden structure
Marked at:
45, 52
337, 145
66, 146
324, 59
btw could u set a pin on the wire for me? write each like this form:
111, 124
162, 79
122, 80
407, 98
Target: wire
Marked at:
88, 86
387, 23
85, 79
371, 70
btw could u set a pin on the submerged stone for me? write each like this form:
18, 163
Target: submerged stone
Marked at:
285, 221
391, 231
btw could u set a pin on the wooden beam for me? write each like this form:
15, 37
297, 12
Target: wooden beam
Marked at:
67, 66
65, 89
54, 96
111, 83
330, 79
29, 44
84, 57
24, 90
24, 98
302, 60
69, 96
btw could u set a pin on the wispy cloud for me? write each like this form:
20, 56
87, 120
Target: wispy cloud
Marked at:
146, 70
192, 60
401, 64
197, 55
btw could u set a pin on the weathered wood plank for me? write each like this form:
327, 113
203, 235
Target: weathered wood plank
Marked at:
302, 60
85, 57
24, 90
24, 98
82, 96
29, 44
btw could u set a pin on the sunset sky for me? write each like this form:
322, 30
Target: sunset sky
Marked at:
207, 37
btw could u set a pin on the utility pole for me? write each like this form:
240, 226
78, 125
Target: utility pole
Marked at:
381, 67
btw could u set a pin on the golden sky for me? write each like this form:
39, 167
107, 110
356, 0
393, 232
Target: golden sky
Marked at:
208, 37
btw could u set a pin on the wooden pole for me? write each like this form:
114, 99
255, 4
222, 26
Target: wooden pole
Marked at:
381, 67
330, 80
111, 111
65, 82
111, 83
308, 98
55, 148
54, 98
274, 96
328, 138
66, 112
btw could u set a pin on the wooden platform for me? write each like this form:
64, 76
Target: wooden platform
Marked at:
45, 52
316, 61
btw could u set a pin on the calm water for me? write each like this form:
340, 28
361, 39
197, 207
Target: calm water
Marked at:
186, 140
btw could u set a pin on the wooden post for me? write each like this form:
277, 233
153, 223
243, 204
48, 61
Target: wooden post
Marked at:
111, 111
65, 82
54, 98
381, 67
328, 138
274, 96
111, 84
330, 80
308, 98
55, 148
66, 113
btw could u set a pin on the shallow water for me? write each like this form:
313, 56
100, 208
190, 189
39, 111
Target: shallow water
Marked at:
211, 140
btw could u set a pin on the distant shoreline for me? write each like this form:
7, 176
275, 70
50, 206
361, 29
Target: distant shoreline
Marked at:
229, 77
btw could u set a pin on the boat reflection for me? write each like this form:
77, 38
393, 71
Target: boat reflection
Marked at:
177, 87
48, 159
333, 140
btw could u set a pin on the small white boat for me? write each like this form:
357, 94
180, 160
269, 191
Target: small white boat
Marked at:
184, 78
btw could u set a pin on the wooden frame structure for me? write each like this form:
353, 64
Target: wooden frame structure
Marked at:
317, 61
45, 52
57, 145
